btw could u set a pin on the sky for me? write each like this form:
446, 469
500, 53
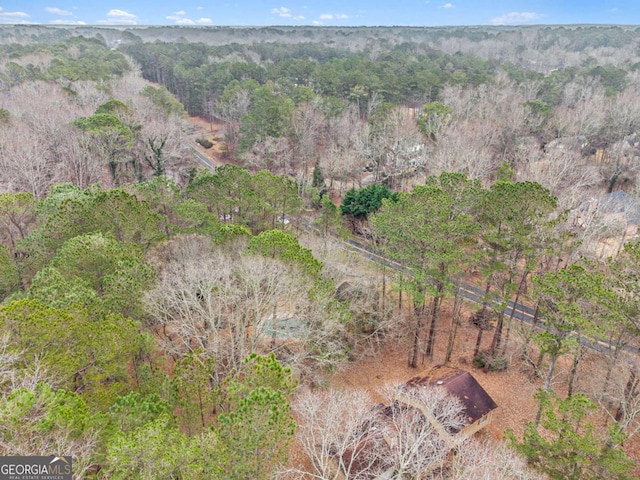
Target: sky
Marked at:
320, 12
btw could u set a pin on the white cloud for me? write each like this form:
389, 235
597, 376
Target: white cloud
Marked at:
58, 11
116, 13
284, 12
61, 21
13, 17
317, 23
180, 19
516, 18
448, 5
333, 16
119, 17
14, 14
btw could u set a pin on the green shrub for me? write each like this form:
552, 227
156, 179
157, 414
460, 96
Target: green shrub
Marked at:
496, 363
204, 142
479, 361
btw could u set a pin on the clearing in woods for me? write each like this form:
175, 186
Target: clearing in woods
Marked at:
212, 131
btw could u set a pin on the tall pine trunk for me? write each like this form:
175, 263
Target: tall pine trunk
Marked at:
455, 319
418, 311
534, 322
629, 391
513, 310
574, 368
482, 316
413, 363
435, 316
497, 335
547, 385
495, 341
614, 360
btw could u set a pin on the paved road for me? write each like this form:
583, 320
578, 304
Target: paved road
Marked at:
202, 159
474, 294
467, 290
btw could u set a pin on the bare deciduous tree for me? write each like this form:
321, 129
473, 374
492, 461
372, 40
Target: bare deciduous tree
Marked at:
397, 147
25, 162
330, 426
463, 149
346, 436
230, 111
307, 124
423, 430
476, 460
348, 149
269, 153
565, 173
230, 304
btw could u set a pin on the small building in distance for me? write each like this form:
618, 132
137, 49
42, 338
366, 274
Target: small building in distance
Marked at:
607, 222
419, 427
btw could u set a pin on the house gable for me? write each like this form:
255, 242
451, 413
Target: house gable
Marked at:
476, 401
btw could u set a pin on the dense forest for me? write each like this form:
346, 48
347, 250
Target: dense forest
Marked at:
163, 320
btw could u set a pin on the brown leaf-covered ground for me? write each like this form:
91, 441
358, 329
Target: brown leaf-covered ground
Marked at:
513, 389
